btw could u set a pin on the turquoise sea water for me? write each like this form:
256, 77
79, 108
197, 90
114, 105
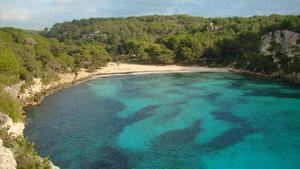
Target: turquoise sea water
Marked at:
170, 121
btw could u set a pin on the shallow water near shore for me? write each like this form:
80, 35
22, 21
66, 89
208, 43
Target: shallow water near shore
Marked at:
170, 121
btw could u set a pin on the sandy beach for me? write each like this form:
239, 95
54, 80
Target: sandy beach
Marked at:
123, 68
33, 95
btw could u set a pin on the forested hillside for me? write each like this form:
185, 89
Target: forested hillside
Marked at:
24, 55
180, 39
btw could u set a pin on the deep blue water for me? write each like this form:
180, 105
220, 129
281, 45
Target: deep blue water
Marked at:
170, 121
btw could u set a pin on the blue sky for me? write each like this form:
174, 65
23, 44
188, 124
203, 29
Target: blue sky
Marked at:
38, 14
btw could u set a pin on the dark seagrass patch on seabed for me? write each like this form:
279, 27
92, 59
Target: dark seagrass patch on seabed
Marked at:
169, 115
231, 136
236, 84
227, 138
212, 97
141, 114
272, 93
229, 117
120, 123
181, 135
110, 158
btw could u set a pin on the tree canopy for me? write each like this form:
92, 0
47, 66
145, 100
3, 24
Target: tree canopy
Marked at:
189, 39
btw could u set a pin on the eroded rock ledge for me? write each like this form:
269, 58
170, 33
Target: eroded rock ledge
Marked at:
15, 129
7, 160
284, 47
284, 41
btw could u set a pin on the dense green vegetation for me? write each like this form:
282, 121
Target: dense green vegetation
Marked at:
25, 55
11, 106
180, 39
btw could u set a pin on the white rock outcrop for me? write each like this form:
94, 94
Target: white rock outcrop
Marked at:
14, 90
7, 160
280, 41
52, 166
32, 90
35, 93
15, 129
287, 44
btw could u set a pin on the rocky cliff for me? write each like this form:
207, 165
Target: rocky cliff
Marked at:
34, 93
31, 95
7, 160
15, 129
284, 48
285, 42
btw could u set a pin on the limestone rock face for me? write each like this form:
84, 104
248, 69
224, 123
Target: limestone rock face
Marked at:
35, 93
293, 77
284, 48
53, 166
15, 89
15, 129
280, 41
7, 160
37, 87
30, 41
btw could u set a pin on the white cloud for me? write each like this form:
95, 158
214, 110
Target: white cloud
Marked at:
14, 14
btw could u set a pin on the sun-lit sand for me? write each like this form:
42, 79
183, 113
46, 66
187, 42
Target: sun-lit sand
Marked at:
123, 68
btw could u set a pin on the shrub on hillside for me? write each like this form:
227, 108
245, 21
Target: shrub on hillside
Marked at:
24, 153
9, 67
11, 106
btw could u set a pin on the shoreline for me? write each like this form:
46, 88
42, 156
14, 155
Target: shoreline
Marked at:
113, 69
35, 94
275, 76
96, 76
